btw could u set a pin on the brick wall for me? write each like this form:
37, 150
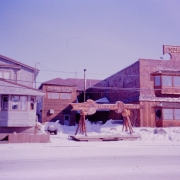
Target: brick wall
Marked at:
122, 86
147, 81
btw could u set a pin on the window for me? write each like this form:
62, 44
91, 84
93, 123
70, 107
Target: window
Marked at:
167, 80
176, 81
177, 114
15, 102
65, 95
4, 103
157, 80
59, 95
5, 74
23, 102
19, 102
171, 114
32, 102
168, 114
53, 95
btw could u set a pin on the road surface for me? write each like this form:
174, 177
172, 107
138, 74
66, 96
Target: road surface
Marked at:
89, 160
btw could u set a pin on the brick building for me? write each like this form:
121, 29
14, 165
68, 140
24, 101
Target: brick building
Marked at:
58, 94
154, 84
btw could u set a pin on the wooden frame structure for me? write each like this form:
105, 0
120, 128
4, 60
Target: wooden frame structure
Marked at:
89, 107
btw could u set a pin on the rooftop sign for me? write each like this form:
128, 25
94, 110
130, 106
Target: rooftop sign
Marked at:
174, 51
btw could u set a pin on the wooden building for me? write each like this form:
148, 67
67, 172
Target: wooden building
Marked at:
154, 84
18, 97
59, 93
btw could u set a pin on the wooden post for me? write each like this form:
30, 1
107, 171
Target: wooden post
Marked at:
89, 107
127, 122
82, 124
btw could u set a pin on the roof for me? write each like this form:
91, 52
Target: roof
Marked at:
18, 63
71, 82
15, 85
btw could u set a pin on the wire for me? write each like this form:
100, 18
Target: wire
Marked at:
102, 88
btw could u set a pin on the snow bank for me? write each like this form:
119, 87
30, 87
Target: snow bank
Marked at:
110, 128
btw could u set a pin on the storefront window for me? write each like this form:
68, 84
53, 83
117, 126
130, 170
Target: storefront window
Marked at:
177, 114
168, 114
4, 103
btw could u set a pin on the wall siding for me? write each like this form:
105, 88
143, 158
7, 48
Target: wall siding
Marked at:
61, 107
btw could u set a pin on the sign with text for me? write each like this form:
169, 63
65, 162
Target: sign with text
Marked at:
90, 106
174, 51
58, 89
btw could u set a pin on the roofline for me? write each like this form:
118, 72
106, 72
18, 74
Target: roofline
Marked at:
42, 84
74, 85
14, 61
1, 79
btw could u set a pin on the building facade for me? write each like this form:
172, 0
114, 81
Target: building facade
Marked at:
59, 93
154, 84
18, 97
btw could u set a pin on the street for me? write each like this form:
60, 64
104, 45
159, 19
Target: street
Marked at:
89, 160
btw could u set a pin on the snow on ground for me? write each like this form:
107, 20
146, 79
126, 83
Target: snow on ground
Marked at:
170, 134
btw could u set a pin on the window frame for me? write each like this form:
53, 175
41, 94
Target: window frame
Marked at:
155, 80
67, 95
173, 114
33, 103
19, 103
162, 80
2, 100
4, 71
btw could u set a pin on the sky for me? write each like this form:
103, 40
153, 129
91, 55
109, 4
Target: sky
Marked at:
61, 38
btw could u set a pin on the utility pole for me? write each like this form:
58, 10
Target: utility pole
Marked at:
84, 85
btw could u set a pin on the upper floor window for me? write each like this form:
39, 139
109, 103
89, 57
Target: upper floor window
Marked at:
53, 95
171, 81
59, 95
167, 81
176, 81
5, 74
157, 80
65, 95
19, 102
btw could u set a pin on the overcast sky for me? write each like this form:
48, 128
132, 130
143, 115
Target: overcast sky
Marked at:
102, 36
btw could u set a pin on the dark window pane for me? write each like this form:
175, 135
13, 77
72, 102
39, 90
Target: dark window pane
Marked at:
157, 80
